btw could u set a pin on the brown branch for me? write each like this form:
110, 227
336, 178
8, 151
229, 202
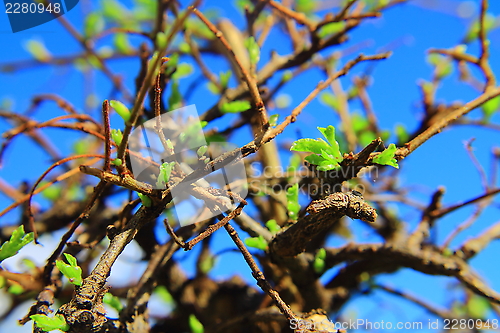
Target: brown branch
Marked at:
152, 71
300, 18
432, 309
117, 82
427, 260
475, 245
47, 271
443, 211
107, 136
126, 181
485, 52
446, 121
27, 197
323, 214
258, 275
29, 213
251, 83
427, 221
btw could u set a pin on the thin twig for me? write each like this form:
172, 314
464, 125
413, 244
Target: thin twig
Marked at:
258, 275
47, 271
446, 121
251, 83
107, 136
443, 211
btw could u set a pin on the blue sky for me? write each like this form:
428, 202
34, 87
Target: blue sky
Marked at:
408, 30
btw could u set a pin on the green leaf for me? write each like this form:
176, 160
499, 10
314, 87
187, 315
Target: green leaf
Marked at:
207, 264
170, 145
164, 175
195, 325
330, 100
113, 10
71, 271
199, 29
202, 150
117, 136
478, 307
175, 99
309, 145
52, 193
17, 241
461, 48
113, 301
329, 134
241, 4
444, 69
387, 157
163, 293
447, 252
294, 164
183, 70
321, 254
273, 119
216, 137
235, 107
173, 60
283, 101
94, 24
305, 6
353, 92
253, 50
256, 242
213, 88
427, 87
328, 155
15, 289
314, 159
161, 40
292, 197
224, 78
121, 109
146, 201
122, 43
473, 32
80, 147
38, 50
184, 48
319, 261
359, 123
326, 166
71, 260
434, 59
287, 75
331, 29
117, 162
402, 133
490, 107
365, 137
50, 323
273, 226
